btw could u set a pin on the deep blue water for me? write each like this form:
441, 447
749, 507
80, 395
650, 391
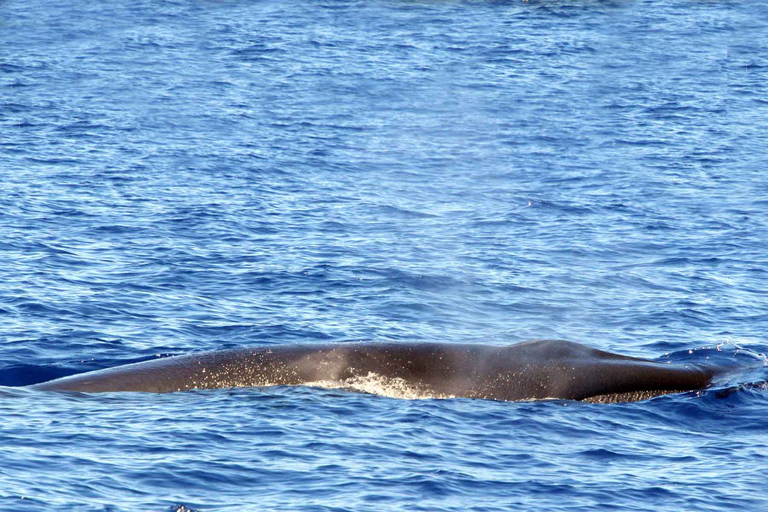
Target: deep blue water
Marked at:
190, 175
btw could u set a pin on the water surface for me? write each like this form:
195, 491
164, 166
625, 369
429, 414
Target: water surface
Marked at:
180, 176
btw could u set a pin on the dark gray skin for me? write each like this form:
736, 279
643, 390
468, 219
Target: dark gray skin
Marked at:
526, 371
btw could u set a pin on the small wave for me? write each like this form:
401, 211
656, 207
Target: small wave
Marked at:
742, 369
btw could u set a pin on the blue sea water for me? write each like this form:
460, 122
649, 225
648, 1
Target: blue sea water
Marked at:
189, 175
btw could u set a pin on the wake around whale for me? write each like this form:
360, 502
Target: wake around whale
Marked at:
542, 369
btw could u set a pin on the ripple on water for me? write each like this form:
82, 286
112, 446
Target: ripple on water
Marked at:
180, 177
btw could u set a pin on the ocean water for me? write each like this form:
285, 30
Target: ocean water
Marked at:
190, 175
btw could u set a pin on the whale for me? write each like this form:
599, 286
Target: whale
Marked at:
533, 370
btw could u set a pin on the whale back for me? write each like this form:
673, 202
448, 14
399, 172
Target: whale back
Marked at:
532, 370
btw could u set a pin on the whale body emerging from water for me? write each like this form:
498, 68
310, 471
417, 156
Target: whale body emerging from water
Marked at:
542, 369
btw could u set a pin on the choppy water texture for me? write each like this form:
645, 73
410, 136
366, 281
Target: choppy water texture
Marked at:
192, 175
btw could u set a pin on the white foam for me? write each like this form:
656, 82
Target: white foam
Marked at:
376, 384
